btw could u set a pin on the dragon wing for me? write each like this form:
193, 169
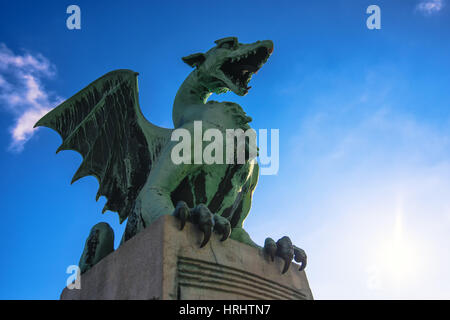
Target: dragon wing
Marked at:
105, 124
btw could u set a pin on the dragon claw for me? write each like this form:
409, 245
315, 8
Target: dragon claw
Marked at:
284, 249
206, 237
182, 212
300, 256
270, 247
205, 221
222, 226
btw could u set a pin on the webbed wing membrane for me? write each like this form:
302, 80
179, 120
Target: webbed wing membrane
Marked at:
104, 123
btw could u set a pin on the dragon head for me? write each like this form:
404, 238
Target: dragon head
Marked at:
230, 64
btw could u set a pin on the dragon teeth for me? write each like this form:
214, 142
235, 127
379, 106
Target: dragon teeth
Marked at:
243, 56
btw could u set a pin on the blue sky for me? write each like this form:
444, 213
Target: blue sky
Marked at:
364, 119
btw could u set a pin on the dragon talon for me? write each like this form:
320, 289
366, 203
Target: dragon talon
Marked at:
285, 250
300, 257
204, 219
222, 226
287, 264
270, 247
182, 213
206, 237
226, 234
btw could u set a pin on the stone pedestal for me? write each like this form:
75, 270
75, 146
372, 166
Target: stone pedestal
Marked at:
162, 262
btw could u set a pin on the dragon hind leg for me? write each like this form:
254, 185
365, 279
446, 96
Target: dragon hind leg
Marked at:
99, 244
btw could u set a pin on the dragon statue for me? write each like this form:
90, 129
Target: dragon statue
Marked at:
131, 157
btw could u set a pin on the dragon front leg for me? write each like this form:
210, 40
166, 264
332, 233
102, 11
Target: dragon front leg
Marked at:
206, 221
284, 249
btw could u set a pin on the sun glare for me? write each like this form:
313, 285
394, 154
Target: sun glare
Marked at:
399, 258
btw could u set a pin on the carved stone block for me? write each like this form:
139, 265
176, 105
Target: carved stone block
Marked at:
162, 262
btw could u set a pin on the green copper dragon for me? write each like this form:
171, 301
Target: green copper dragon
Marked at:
131, 157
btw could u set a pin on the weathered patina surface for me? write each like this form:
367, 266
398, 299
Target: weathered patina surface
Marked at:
131, 157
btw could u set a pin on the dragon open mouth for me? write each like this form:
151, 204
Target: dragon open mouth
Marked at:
241, 68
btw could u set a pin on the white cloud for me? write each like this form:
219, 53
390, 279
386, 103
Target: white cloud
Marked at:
22, 92
429, 7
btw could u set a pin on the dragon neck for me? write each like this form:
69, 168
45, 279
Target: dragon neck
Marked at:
190, 94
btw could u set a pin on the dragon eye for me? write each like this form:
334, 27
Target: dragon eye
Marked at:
227, 43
